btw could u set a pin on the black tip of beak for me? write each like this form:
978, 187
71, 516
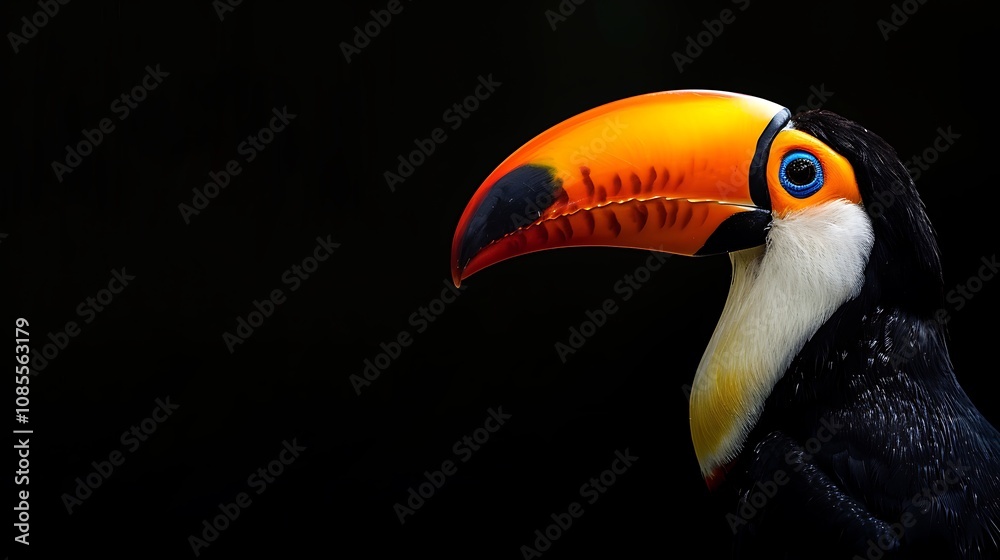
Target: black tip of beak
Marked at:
515, 200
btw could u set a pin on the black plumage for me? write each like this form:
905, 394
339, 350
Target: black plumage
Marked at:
868, 447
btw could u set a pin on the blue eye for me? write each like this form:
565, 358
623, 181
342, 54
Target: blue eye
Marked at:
800, 174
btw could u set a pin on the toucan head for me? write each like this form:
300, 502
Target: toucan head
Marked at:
697, 172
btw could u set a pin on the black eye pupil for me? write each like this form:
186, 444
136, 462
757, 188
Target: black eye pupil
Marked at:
800, 172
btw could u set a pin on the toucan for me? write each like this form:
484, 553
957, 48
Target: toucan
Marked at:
825, 406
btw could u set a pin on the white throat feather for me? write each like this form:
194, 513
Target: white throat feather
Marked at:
813, 262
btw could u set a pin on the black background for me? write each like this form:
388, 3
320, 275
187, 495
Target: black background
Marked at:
493, 347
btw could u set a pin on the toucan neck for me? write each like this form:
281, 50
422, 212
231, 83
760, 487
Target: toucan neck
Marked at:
876, 340
813, 263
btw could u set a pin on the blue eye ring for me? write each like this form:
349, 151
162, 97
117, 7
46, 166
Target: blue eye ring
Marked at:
801, 174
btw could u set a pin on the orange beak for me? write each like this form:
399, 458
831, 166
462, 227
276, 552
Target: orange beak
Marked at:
681, 172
